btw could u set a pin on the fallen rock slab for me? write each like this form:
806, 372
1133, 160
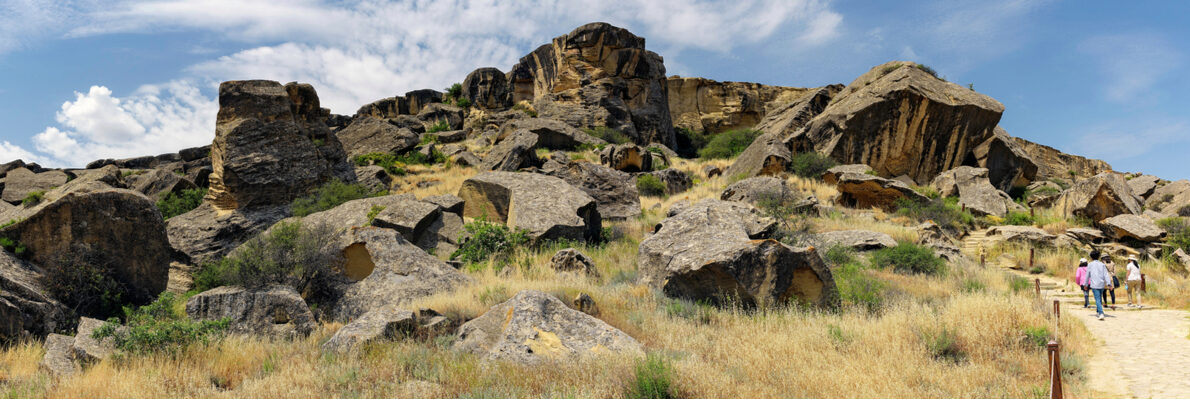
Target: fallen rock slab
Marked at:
276, 311
383, 323
545, 206
856, 239
1132, 226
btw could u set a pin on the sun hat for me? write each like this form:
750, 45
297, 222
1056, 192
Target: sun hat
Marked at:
1132, 257
1082, 260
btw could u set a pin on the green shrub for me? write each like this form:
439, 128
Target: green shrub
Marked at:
971, 285
85, 281
698, 311
384, 160
32, 198
525, 109
178, 203
10, 222
455, 90
488, 239
653, 379
463, 102
440, 126
944, 212
689, 142
1019, 218
416, 157
650, 185
858, 289
728, 144
1184, 211
943, 345
889, 68
1018, 284
1038, 335
608, 134
159, 327
928, 70
839, 255
13, 246
289, 253
793, 226
329, 196
376, 210
811, 164
910, 258
1177, 232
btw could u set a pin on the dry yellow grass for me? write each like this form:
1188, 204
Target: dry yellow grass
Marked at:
780, 352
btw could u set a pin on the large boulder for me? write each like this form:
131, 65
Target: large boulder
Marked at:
719, 251
1128, 226
368, 135
831, 177
438, 114
533, 326
867, 191
551, 133
419, 99
933, 236
1099, 197
856, 239
704, 105
598, 76
116, 226
675, 180
770, 153
58, 359
626, 157
1007, 162
385, 270
88, 349
934, 124
1171, 199
207, 233
426, 224
1054, 164
25, 308
545, 206
762, 190
974, 191
1021, 234
614, 191
1143, 186
269, 149
160, 182
277, 311
487, 88
513, 153
20, 182
571, 260
381, 323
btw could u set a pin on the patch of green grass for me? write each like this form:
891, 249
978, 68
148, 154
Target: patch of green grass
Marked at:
944, 212
889, 68
159, 327
384, 160
376, 210
653, 379
1018, 284
178, 203
329, 196
525, 109
439, 126
608, 134
858, 289
289, 253
463, 102
11, 222
650, 185
487, 240
838, 336
971, 285
943, 345
811, 164
698, 311
1177, 232
728, 144
1037, 335
909, 258
839, 255
32, 198
13, 246
1019, 218
928, 70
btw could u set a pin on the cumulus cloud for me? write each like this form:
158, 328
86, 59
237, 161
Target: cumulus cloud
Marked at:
1132, 63
9, 152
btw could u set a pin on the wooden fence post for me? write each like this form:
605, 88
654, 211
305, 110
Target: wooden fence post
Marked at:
1037, 287
1057, 317
1031, 259
1055, 370
1143, 285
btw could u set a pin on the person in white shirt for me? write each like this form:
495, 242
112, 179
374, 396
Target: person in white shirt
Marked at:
1132, 282
1099, 280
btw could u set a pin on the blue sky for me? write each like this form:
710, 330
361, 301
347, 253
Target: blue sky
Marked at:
88, 79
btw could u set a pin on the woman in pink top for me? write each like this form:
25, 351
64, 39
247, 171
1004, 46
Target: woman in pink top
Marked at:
1080, 277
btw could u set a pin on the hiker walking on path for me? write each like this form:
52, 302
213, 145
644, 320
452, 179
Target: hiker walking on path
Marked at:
1080, 278
1115, 282
1099, 280
1133, 282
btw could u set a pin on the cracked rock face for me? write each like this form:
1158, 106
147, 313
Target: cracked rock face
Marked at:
545, 206
1099, 197
533, 326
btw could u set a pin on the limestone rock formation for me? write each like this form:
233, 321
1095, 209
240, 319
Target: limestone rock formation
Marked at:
934, 123
711, 171
1143, 185
533, 326
933, 236
614, 191
160, 182
831, 177
1132, 226
89, 350
1052, 163
381, 323
770, 153
439, 114
513, 153
974, 191
626, 157
1007, 162
25, 308
704, 105
267, 150
545, 206
374, 177
715, 250
762, 189
1086, 235
867, 191
487, 88
570, 259
1171, 199
856, 239
675, 180
372, 135
58, 358
1022, 234
598, 75
425, 224
206, 233
20, 182
1099, 197
551, 133
277, 311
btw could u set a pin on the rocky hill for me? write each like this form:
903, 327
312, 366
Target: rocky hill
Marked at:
572, 145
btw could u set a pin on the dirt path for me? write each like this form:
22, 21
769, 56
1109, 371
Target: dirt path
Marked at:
1142, 353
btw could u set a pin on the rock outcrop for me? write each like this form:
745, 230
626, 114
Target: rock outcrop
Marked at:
831, 177
1143, 186
675, 180
382, 323
614, 191
545, 206
762, 189
974, 191
598, 76
571, 260
704, 105
1128, 226
20, 182
533, 326
855, 239
1099, 197
1007, 162
867, 191
58, 358
1054, 164
551, 133
934, 123
160, 182
770, 153
25, 308
719, 251
626, 157
487, 88
367, 134
277, 311
513, 153
1022, 234
1171, 199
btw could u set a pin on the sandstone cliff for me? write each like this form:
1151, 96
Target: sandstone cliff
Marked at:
701, 104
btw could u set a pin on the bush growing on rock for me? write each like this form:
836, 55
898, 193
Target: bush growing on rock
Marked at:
689, 142
32, 198
488, 239
290, 253
328, 196
178, 203
85, 281
944, 212
159, 327
440, 126
1019, 218
608, 134
909, 258
811, 164
728, 144
1177, 232
383, 160
650, 185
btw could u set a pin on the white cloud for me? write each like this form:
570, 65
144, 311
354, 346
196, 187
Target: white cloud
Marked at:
1132, 63
10, 152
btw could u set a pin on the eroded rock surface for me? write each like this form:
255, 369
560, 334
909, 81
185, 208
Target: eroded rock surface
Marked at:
545, 206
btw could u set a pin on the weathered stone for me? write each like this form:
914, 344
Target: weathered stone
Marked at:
711, 171
867, 191
1128, 226
1143, 186
206, 234
381, 323
385, 270
26, 311
1052, 163
831, 177
410, 218
487, 88
704, 105
446, 136
856, 239
1022, 234
1183, 259
195, 153
438, 114
373, 177
513, 153
551, 133
201, 176
449, 202
583, 302
368, 135
89, 350
386, 108
763, 189
466, 159
598, 75
1042, 193
936, 123
614, 191
1086, 235
277, 311
20, 182
933, 236
1007, 162
419, 99
267, 151
974, 191
58, 358
1099, 197
545, 206
770, 153
158, 183
570, 259
626, 157
11, 165
533, 326
121, 227
675, 180
718, 251
1171, 199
